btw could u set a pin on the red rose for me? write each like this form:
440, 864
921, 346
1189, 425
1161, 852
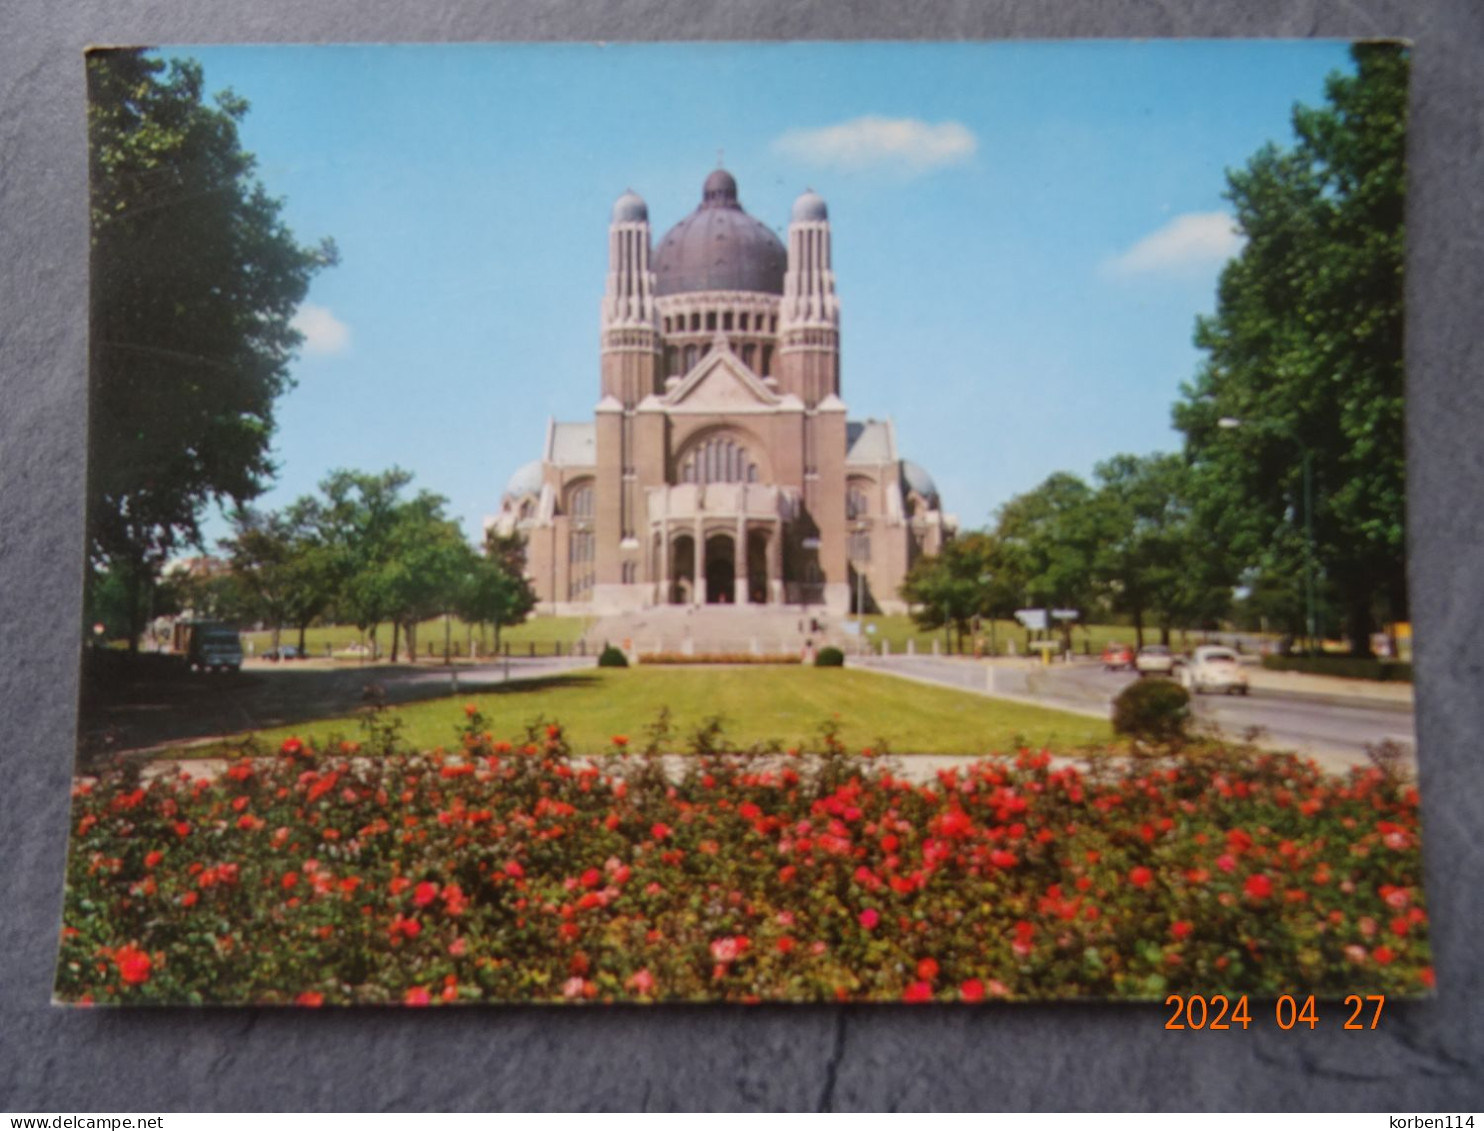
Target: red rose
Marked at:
918, 992
972, 990
424, 894
927, 969
1140, 876
134, 965
1258, 886
869, 918
418, 995
310, 998
1180, 928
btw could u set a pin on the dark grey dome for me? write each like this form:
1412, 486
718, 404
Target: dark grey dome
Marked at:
810, 206
916, 478
719, 247
629, 208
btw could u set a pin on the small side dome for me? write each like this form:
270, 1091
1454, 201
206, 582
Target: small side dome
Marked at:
810, 207
915, 478
527, 480
630, 208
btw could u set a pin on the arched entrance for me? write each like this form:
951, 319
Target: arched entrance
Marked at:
721, 569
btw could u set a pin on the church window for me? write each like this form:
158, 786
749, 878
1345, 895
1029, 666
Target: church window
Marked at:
767, 361
859, 547
718, 461
856, 503
672, 361
711, 320
692, 355
749, 353
726, 320
695, 320
773, 324
581, 504
742, 320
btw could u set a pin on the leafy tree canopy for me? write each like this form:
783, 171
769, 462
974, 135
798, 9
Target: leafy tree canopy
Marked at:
195, 280
1305, 351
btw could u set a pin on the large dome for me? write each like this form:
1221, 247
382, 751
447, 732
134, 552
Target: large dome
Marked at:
527, 480
916, 478
719, 247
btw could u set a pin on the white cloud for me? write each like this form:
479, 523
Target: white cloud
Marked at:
1191, 241
904, 144
324, 334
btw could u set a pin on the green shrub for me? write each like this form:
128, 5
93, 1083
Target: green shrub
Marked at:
612, 657
829, 657
1344, 667
1156, 710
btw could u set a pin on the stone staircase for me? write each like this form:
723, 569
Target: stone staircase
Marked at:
752, 629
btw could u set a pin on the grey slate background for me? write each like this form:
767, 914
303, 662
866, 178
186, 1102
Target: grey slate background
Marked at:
1426, 1057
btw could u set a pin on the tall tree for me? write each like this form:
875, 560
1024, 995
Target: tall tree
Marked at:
280, 559
195, 280
496, 590
1304, 353
952, 587
1048, 542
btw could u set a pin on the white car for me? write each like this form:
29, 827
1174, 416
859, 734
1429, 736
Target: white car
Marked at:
1213, 668
1155, 659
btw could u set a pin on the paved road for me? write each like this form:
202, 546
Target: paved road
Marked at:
169, 706
1334, 730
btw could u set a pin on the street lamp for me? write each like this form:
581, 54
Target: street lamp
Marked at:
1230, 422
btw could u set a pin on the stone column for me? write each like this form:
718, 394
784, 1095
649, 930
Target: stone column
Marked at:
739, 556
698, 562
664, 560
775, 563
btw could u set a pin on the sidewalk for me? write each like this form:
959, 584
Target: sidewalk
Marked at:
1329, 687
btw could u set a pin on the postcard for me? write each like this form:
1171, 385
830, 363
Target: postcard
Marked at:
884, 522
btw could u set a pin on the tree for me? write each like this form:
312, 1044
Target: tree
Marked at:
957, 585
195, 279
496, 590
281, 561
355, 520
1047, 544
1304, 353
1151, 555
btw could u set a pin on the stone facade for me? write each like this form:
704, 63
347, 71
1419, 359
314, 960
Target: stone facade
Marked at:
720, 466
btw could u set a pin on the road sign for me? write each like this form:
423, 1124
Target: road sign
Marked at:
1033, 619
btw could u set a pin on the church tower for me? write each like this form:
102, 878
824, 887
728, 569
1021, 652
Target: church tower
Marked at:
628, 367
630, 331
809, 317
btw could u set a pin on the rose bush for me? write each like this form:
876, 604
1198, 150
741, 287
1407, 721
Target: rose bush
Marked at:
510, 871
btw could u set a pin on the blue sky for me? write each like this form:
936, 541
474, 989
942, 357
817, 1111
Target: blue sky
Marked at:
1024, 233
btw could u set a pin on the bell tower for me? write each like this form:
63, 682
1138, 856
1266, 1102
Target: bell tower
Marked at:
809, 317
630, 329
629, 369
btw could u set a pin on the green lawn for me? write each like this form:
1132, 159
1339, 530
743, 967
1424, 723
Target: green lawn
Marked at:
898, 629
542, 631
756, 704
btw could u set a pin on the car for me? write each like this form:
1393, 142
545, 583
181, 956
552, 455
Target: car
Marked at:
287, 652
1213, 668
1117, 656
1155, 659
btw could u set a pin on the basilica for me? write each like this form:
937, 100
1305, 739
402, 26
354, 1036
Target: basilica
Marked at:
721, 466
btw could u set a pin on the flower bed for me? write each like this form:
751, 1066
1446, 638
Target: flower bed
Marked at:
510, 872
719, 658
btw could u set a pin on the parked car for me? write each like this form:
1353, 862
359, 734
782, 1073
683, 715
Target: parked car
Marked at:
1213, 668
1155, 659
1117, 656
287, 652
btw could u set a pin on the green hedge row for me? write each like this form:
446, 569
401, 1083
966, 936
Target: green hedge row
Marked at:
1346, 667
